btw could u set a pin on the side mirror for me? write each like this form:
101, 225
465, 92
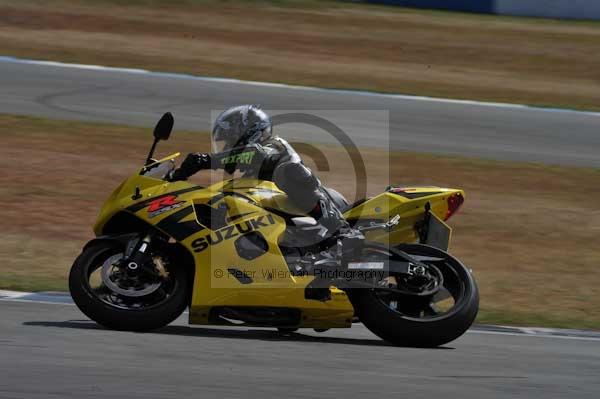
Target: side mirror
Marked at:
163, 128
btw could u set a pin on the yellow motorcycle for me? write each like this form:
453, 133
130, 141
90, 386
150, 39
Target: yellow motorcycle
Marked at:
237, 253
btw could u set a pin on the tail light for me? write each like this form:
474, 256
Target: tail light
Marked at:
454, 203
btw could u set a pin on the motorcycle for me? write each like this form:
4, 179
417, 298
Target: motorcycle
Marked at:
236, 253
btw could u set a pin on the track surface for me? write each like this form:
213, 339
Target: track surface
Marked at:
496, 132
51, 351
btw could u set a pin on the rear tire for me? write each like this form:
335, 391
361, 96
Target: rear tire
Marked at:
119, 318
403, 330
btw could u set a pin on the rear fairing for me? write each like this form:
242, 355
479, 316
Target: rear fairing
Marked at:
410, 203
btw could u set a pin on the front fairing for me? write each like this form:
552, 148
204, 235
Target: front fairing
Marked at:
133, 190
145, 183
265, 193
137, 189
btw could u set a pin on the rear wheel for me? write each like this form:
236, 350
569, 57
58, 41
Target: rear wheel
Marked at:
109, 296
422, 321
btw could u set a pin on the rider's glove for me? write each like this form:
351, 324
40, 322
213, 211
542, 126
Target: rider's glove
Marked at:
193, 163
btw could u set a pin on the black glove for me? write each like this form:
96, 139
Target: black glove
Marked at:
193, 163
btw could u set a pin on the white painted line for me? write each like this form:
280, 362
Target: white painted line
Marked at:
527, 330
8, 59
12, 294
19, 300
47, 297
570, 337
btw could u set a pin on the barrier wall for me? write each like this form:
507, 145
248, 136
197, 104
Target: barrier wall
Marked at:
481, 6
571, 9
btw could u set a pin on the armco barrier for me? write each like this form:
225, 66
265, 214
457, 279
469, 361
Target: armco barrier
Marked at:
481, 6
571, 9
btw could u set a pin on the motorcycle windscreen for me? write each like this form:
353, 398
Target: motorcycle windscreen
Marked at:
438, 233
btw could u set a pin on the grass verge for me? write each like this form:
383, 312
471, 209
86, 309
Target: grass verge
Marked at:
528, 231
320, 43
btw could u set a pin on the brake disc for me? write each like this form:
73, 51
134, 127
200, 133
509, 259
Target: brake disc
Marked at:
107, 273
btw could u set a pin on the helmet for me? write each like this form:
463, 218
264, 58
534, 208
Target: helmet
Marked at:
240, 126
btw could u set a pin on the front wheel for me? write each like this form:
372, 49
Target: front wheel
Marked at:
109, 296
428, 321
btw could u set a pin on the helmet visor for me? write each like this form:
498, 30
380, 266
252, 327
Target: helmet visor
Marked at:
222, 140
219, 145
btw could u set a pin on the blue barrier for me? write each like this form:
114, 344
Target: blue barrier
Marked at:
480, 6
571, 9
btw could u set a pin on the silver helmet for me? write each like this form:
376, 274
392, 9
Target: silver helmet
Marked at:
239, 126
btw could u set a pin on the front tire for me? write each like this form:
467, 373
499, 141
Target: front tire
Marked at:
94, 304
422, 330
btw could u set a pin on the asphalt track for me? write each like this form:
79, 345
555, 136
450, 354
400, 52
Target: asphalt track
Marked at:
52, 351
495, 131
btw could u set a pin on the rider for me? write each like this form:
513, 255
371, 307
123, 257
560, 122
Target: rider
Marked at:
243, 139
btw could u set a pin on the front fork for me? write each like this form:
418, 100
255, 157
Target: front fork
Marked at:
137, 255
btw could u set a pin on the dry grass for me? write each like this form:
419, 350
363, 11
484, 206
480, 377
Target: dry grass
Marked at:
331, 44
529, 232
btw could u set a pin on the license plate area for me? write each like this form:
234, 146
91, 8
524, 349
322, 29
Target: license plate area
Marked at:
438, 233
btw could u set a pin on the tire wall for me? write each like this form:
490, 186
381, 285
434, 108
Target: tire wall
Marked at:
570, 9
567, 9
